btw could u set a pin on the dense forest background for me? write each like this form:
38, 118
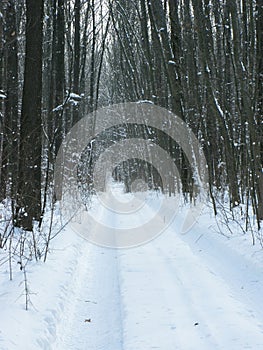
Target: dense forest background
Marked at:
61, 59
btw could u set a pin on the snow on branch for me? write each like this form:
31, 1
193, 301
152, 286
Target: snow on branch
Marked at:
72, 98
2, 94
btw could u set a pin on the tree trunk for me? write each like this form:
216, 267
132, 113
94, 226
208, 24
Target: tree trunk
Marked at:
59, 73
29, 190
10, 143
259, 111
76, 67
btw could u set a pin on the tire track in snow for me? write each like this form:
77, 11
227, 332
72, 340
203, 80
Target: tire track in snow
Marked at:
221, 316
95, 296
164, 317
180, 303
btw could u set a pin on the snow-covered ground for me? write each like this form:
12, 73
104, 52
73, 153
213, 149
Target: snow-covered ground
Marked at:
201, 290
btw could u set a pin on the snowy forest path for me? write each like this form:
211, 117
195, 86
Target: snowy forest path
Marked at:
192, 291
161, 295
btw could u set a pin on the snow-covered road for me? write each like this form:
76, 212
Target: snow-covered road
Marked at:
176, 292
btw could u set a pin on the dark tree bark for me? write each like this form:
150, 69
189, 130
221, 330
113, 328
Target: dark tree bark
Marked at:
76, 47
259, 112
92, 60
10, 144
1, 76
82, 83
59, 73
175, 34
29, 190
76, 67
57, 77
147, 67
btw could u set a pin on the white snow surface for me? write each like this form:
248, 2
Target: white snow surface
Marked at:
201, 291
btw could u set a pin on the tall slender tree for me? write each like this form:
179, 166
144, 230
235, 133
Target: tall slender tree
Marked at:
10, 121
29, 190
76, 66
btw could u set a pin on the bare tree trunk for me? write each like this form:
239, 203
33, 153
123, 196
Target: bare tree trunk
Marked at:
29, 190
76, 67
259, 111
59, 73
147, 59
11, 122
92, 60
